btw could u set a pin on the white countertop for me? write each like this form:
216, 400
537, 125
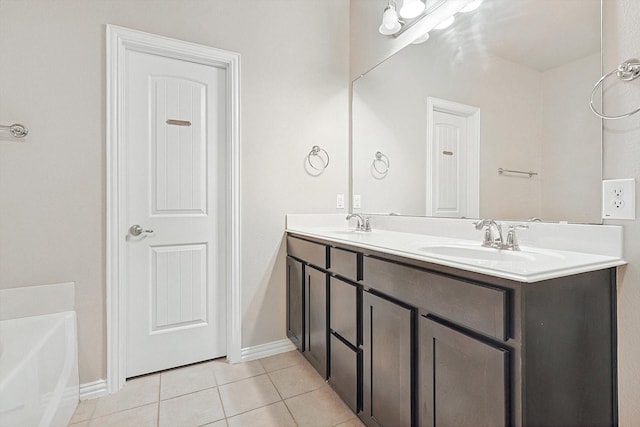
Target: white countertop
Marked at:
528, 265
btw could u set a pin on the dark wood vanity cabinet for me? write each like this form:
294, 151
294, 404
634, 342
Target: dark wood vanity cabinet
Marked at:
463, 380
388, 329
315, 350
345, 355
295, 303
409, 343
332, 326
307, 300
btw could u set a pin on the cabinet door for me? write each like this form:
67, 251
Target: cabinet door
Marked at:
346, 367
316, 319
463, 381
387, 370
295, 303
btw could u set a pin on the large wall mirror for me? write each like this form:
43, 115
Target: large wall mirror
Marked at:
445, 127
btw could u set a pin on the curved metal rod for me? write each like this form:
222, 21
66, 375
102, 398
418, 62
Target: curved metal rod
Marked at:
17, 130
315, 151
627, 71
381, 158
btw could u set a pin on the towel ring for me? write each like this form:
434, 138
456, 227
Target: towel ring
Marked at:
627, 71
383, 160
315, 151
16, 129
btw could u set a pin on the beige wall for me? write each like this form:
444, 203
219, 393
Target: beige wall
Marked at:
622, 160
571, 135
294, 94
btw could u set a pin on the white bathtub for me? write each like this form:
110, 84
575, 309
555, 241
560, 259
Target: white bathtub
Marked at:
38, 370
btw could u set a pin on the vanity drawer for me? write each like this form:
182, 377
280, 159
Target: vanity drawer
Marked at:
475, 306
344, 263
313, 253
345, 310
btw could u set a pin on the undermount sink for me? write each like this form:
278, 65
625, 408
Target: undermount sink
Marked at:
482, 254
351, 232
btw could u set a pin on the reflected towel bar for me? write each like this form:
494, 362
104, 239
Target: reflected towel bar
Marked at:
503, 171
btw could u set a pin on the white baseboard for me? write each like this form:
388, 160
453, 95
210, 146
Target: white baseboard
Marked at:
265, 350
93, 389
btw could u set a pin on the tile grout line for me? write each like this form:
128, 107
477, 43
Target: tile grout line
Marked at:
257, 407
282, 399
240, 379
97, 399
224, 412
188, 393
117, 412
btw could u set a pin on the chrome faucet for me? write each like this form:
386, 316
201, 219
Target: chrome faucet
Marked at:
364, 223
492, 233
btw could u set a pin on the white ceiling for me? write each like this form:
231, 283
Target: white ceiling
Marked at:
540, 34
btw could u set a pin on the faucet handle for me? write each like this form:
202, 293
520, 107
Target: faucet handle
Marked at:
366, 226
512, 238
481, 223
488, 240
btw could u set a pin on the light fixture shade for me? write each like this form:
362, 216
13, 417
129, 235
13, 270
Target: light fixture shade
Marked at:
445, 24
390, 24
423, 38
411, 8
471, 6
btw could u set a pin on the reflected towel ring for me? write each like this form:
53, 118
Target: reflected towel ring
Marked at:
316, 151
16, 129
627, 71
383, 160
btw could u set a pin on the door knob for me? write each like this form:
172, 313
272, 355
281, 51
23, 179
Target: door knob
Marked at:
137, 230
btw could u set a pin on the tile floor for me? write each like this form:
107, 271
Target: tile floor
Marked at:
281, 390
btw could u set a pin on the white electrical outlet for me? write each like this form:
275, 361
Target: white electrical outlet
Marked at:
357, 201
619, 199
340, 201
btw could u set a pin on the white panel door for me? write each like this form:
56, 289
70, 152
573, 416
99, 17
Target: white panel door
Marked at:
174, 131
449, 166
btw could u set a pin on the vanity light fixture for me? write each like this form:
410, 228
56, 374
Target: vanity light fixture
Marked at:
390, 22
412, 8
426, 15
445, 24
471, 6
